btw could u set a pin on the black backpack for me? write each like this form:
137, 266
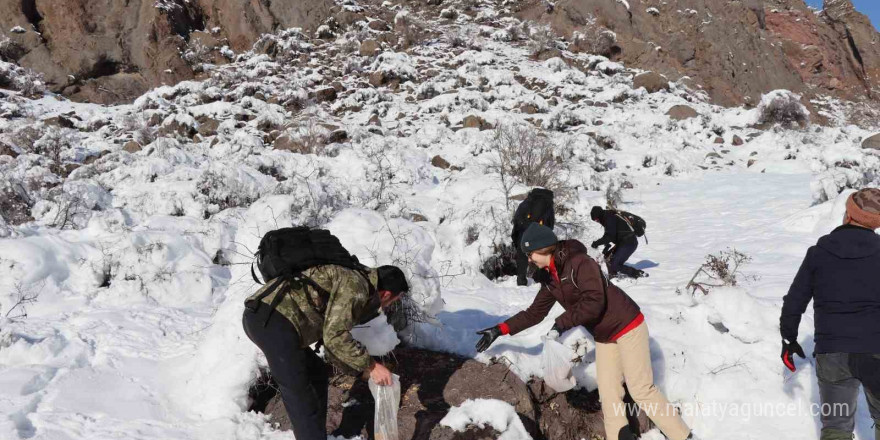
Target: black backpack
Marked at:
289, 251
283, 254
635, 223
541, 207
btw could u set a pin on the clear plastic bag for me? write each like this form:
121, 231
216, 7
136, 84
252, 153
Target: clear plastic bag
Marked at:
556, 362
387, 402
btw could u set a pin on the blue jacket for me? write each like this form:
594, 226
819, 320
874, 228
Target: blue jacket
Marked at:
841, 274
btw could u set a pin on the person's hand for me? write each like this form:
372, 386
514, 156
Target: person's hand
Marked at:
595, 244
788, 349
553, 333
489, 336
380, 375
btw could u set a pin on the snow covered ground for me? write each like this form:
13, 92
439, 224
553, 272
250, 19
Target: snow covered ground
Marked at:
138, 260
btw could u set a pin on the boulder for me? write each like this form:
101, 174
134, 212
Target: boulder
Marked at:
132, 147
529, 108
7, 150
325, 94
652, 82
440, 162
378, 25
369, 48
287, 143
59, 121
208, 126
682, 112
473, 121
337, 136
377, 79
872, 143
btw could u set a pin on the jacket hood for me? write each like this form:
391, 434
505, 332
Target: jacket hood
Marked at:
851, 242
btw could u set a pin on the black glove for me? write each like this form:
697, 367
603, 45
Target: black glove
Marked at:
788, 349
595, 244
607, 251
489, 336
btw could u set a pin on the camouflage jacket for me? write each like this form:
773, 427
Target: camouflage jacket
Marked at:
349, 300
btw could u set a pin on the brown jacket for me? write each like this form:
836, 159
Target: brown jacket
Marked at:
581, 290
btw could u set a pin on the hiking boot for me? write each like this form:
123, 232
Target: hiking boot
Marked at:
522, 282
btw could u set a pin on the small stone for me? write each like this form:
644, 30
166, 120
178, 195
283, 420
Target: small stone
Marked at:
374, 120
713, 155
529, 108
337, 136
59, 121
719, 140
752, 162
377, 79
6, 150
737, 141
208, 126
473, 121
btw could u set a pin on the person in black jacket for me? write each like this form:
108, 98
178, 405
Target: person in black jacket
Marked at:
620, 234
841, 275
536, 208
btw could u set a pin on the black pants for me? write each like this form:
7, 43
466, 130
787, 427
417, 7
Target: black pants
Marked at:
522, 266
619, 255
302, 376
840, 375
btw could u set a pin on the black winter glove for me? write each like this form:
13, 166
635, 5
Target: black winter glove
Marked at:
595, 244
788, 349
489, 336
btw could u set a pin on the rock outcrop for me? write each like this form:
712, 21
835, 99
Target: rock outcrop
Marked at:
432, 383
112, 51
735, 50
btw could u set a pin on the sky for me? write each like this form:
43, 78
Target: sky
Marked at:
871, 8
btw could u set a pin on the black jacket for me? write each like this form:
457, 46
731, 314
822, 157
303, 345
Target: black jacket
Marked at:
841, 274
526, 214
617, 230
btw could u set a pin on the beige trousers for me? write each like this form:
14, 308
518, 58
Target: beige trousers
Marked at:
629, 360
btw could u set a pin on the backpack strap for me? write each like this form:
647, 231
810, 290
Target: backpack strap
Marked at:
254, 274
625, 220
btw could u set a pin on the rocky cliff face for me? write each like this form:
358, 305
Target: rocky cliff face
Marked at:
736, 50
111, 50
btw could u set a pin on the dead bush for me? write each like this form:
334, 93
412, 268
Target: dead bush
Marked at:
53, 145
528, 156
719, 270
501, 263
196, 54
541, 39
225, 192
411, 30
782, 107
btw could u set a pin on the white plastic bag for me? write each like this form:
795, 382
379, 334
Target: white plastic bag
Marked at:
387, 402
556, 362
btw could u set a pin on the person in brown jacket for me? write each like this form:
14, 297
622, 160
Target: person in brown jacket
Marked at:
570, 277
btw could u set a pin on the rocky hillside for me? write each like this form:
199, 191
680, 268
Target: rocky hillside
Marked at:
106, 51
736, 50
112, 51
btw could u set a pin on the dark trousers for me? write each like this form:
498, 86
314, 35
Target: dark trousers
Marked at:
619, 255
302, 376
840, 375
522, 267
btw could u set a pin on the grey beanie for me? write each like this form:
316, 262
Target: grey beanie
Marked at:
537, 237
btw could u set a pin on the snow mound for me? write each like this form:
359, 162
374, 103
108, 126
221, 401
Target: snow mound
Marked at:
481, 412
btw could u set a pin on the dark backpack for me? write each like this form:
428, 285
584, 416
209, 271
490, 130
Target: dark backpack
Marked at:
290, 251
635, 223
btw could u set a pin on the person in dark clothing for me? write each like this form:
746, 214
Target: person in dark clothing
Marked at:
536, 208
574, 280
622, 236
342, 299
840, 275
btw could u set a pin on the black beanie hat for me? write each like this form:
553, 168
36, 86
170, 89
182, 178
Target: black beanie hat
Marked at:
537, 237
596, 212
392, 278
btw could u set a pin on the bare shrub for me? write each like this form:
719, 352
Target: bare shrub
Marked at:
596, 39
53, 144
196, 54
382, 172
307, 136
526, 155
411, 30
22, 296
719, 270
225, 191
138, 126
10, 50
541, 39
782, 107
613, 195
